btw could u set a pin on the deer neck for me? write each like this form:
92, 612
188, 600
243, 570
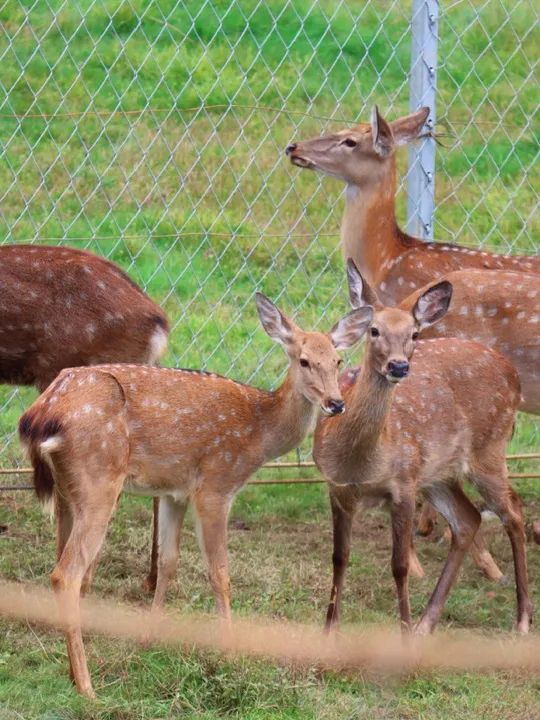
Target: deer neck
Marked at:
369, 231
368, 406
286, 417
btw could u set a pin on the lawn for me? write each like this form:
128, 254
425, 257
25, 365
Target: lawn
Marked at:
201, 207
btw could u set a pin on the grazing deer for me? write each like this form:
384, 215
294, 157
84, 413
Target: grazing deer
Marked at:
178, 434
424, 427
391, 261
61, 307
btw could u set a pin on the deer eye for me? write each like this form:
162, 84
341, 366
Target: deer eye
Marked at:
349, 142
304, 363
340, 362
415, 336
374, 332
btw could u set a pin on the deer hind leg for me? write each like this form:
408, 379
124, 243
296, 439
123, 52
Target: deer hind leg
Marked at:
343, 510
212, 513
150, 581
480, 554
502, 499
90, 523
171, 518
464, 520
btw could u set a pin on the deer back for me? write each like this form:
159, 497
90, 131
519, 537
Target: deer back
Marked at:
63, 307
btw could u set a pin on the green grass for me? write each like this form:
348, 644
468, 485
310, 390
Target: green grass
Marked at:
280, 547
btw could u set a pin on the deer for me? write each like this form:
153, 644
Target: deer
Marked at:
392, 262
63, 307
181, 435
422, 416
396, 264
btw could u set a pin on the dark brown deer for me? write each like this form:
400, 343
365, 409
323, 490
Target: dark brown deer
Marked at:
422, 424
181, 435
62, 307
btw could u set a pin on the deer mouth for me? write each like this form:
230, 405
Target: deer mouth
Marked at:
302, 162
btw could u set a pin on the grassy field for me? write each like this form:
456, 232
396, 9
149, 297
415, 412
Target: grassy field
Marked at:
201, 207
280, 546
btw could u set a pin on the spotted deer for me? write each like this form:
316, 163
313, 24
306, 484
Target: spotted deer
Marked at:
422, 424
392, 262
396, 264
62, 307
178, 434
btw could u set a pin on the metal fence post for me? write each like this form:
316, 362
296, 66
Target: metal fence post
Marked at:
423, 87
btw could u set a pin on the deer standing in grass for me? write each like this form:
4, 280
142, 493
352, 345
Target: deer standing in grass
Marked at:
397, 264
422, 427
180, 435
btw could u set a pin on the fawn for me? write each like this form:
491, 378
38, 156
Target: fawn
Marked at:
182, 435
449, 420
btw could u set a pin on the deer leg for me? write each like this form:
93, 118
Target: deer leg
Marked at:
402, 514
464, 520
151, 579
212, 512
483, 559
507, 505
426, 519
342, 518
171, 518
80, 550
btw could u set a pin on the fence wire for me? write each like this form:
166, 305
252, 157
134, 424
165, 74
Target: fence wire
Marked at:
153, 134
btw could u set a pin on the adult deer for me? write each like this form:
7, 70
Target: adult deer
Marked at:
179, 435
392, 262
449, 420
62, 307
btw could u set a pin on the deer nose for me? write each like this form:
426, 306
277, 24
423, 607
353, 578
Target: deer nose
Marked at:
398, 368
336, 407
290, 148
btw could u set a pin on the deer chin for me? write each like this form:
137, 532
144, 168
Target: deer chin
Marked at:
393, 379
302, 162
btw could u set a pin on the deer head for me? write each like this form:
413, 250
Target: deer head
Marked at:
314, 361
393, 332
357, 155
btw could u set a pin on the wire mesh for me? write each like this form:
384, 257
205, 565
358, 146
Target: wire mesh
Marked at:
153, 134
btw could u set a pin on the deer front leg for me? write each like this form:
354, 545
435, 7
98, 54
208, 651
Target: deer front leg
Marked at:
212, 513
342, 518
402, 514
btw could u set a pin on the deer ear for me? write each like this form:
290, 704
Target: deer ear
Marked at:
383, 140
275, 323
360, 293
432, 305
409, 127
351, 327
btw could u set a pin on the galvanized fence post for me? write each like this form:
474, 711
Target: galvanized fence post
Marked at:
423, 87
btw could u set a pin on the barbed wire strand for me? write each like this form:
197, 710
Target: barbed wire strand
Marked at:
376, 649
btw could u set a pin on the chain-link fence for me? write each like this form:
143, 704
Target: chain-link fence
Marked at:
153, 134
